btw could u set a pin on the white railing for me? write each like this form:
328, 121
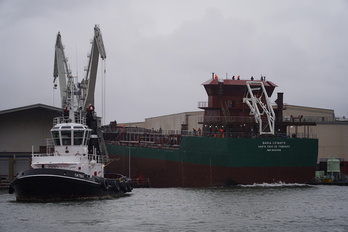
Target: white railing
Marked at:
62, 119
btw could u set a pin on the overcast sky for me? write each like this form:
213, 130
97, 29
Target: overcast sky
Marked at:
159, 52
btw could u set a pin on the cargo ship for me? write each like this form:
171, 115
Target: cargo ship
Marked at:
243, 141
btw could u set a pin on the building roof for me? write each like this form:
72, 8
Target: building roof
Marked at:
309, 108
236, 82
29, 107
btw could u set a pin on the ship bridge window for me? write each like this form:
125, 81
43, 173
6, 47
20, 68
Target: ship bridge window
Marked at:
78, 137
66, 137
56, 138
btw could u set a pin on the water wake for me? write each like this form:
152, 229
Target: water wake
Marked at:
275, 185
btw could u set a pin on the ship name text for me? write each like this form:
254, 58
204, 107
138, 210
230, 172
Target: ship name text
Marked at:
273, 146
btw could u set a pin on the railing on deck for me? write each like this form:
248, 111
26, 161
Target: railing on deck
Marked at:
217, 119
98, 158
62, 119
302, 135
247, 119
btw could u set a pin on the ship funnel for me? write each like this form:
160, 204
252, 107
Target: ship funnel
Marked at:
280, 106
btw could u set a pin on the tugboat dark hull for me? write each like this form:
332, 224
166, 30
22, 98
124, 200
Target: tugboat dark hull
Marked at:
64, 185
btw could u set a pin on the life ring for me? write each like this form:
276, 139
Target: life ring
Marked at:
90, 108
77, 154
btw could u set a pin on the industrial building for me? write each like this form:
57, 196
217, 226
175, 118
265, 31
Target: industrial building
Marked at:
23, 130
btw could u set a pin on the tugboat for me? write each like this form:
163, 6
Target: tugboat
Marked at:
73, 166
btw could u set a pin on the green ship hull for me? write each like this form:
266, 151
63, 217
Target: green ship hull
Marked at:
206, 161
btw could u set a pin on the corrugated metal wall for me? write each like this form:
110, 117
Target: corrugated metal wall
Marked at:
333, 140
21, 130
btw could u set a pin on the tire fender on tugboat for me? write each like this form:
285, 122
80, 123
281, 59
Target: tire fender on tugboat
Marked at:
129, 186
116, 186
105, 184
123, 187
11, 190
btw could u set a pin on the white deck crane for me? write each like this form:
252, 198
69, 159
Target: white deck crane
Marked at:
83, 91
61, 70
88, 83
258, 108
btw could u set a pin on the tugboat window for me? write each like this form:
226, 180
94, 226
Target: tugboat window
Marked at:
66, 137
78, 137
56, 139
78, 127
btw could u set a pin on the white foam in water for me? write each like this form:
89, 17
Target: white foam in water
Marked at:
277, 184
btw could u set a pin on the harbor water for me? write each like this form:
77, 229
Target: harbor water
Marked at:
264, 207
